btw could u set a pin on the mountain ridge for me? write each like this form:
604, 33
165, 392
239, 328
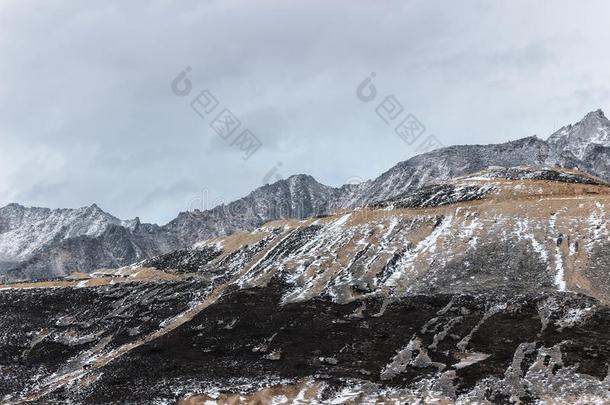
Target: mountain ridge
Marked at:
593, 129
488, 287
299, 196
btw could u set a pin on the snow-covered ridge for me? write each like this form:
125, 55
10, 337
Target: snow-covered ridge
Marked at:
530, 233
535, 173
593, 129
24, 230
473, 295
32, 242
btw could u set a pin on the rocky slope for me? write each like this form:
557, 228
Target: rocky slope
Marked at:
25, 230
53, 243
578, 139
39, 243
299, 196
489, 288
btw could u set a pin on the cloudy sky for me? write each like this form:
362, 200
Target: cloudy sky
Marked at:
87, 111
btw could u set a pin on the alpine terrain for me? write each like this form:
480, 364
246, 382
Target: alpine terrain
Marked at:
37, 243
473, 274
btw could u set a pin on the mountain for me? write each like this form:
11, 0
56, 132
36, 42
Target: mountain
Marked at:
491, 287
578, 139
39, 243
116, 246
299, 196
454, 161
491, 224
50, 243
25, 230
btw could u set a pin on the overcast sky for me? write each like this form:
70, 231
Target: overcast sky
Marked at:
87, 112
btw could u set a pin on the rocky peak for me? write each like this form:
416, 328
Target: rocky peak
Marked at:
94, 208
24, 230
301, 178
92, 212
297, 181
132, 224
593, 129
596, 115
12, 206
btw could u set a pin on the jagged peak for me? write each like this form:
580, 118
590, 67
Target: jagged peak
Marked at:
596, 117
597, 114
131, 224
13, 205
291, 181
593, 117
94, 208
301, 176
592, 129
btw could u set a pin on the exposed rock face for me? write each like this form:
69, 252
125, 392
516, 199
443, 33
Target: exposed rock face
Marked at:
117, 246
299, 196
578, 139
495, 299
597, 160
40, 243
25, 230
447, 163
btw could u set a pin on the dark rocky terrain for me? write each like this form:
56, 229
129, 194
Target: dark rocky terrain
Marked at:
495, 347
37, 243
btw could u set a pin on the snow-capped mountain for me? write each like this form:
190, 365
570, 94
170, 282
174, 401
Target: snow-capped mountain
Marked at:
592, 130
489, 288
39, 243
42, 243
25, 230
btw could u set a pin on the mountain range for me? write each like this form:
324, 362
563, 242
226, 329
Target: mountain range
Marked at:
474, 274
487, 288
39, 243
